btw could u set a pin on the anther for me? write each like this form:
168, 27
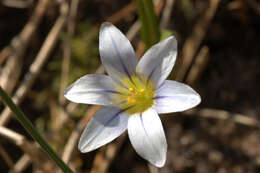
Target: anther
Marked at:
131, 100
131, 89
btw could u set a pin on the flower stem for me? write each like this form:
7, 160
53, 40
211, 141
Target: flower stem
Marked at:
149, 23
33, 132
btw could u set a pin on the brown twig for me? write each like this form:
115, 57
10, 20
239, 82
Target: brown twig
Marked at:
126, 11
6, 157
11, 135
198, 66
152, 168
19, 44
70, 146
105, 156
158, 6
193, 42
67, 48
224, 115
5, 52
21, 164
17, 3
36, 155
36, 66
166, 14
133, 30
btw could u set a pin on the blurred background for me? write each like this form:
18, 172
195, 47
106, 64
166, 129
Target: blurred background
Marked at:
45, 45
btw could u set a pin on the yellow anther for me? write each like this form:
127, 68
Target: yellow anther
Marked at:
131, 89
142, 90
131, 100
138, 96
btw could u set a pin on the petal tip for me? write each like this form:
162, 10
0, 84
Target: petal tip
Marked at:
160, 163
173, 41
66, 91
105, 25
83, 148
194, 99
197, 99
171, 38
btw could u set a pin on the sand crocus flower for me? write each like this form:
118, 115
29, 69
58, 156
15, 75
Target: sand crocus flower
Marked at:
133, 94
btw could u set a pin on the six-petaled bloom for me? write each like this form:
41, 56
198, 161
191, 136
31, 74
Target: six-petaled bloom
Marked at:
133, 94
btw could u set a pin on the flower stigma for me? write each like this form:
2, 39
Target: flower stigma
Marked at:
137, 95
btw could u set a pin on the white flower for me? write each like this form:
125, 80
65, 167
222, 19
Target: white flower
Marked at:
133, 94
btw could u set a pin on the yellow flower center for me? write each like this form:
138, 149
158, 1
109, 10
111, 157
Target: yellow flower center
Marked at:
137, 96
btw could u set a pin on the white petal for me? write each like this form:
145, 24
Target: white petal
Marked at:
107, 124
147, 137
91, 89
117, 53
159, 60
175, 97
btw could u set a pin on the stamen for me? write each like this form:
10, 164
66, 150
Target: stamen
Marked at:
131, 90
138, 95
131, 100
142, 91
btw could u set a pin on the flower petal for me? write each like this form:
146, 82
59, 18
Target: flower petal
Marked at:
91, 89
117, 53
107, 124
159, 60
174, 96
147, 137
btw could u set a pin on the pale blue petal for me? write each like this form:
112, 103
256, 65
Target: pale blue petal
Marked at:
158, 61
117, 53
106, 125
92, 89
147, 137
174, 96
